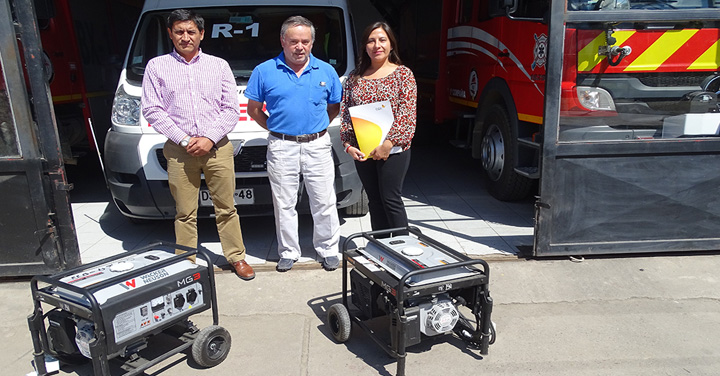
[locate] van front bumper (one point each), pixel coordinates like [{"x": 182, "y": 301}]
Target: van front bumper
[{"x": 138, "y": 197}]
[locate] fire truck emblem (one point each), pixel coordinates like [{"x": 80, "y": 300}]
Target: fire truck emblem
[
  {"x": 473, "y": 84},
  {"x": 539, "y": 51}
]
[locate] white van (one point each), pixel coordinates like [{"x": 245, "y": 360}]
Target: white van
[{"x": 245, "y": 33}]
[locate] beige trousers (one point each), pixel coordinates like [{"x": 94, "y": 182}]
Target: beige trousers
[{"x": 184, "y": 176}]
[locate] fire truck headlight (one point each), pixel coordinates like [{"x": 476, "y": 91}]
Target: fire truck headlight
[
  {"x": 126, "y": 108},
  {"x": 595, "y": 98}
]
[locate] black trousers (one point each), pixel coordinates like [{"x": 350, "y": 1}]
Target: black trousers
[{"x": 383, "y": 183}]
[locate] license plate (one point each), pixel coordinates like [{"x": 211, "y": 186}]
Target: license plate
[{"x": 243, "y": 196}]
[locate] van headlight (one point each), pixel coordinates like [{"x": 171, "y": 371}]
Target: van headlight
[
  {"x": 595, "y": 98},
  {"x": 126, "y": 108}
]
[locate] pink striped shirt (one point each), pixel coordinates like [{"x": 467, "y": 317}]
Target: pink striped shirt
[{"x": 197, "y": 98}]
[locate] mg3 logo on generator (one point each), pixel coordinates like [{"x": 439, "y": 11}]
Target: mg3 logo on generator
[{"x": 188, "y": 280}]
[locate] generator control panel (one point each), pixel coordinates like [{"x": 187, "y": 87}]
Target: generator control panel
[{"x": 156, "y": 311}]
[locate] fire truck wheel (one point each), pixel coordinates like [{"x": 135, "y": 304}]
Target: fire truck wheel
[
  {"x": 339, "y": 321},
  {"x": 499, "y": 147},
  {"x": 211, "y": 346}
]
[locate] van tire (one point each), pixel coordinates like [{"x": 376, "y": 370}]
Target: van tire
[{"x": 360, "y": 208}]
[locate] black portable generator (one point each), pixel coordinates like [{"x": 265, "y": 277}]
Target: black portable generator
[
  {"x": 108, "y": 309},
  {"x": 420, "y": 285}
]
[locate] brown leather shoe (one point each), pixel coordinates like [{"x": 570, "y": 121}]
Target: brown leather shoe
[{"x": 243, "y": 270}]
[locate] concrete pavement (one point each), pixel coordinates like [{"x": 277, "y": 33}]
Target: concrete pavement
[
  {"x": 444, "y": 195},
  {"x": 603, "y": 316},
  {"x": 625, "y": 315}
]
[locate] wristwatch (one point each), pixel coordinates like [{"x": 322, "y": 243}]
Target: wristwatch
[{"x": 185, "y": 141}]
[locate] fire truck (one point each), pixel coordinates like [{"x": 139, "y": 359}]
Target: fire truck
[
  {"x": 608, "y": 107},
  {"x": 620, "y": 81},
  {"x": 83, "y": 41}
]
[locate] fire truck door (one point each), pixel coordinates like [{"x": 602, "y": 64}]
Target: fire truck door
[
  {"x": 36, "y": 230},
  {"x": 644, "y": 176}
]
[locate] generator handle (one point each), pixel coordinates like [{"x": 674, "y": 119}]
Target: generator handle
[
  {"x": 486, "y": 325},
  {"x": 39, "y": 338},
  {"x": 344, "y": 250},
  {"x": 135, "y": 271},
  {"x": 400, "y": 351},
  {"x": 436, "y": 244},
  {"x": 89, "y": 265},
  {"x": 203, "y": 252},
  {"x": 368, "y": 235},
  {"x": 462, "y": 258},
  {"x": 401, "y": 284},
  {"x": 37, "y": 294}
]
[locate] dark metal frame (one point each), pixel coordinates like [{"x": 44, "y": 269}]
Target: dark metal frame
[
  {"x": 94, "y": 313},
  {"x": 400, "y": 291},
  {"x": 40, "y": 164},
  {"x": 575, "y": 218}
]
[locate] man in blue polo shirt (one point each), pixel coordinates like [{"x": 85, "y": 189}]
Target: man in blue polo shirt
[{"x": 301, "y": 94}]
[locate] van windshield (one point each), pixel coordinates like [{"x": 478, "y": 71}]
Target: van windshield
[{"x": 244, "y": 36}]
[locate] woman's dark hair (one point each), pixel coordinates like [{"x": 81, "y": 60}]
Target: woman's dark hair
[
  {"x": 185, "y": 15},
  {"x": 363, "y": 58}
]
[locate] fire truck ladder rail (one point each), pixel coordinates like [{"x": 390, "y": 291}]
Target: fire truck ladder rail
[{"x": 531, "y": 172}]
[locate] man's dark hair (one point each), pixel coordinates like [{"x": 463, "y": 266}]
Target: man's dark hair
[{"x": 185, "y": 15}]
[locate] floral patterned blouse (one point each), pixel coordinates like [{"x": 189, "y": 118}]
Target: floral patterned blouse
[{"x": 399, "y": 88}]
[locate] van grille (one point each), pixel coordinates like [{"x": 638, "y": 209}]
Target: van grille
[{"x": 250, "y": 159}]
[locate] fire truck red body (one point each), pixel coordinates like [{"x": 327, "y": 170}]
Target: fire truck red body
[
  {"x": 619, "y": 81},
  {"x": 82, "y": 41},
  {"x": 66, "y": 78}
]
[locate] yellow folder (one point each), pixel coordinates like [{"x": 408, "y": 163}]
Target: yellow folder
[{"x": 371, "y": 123}]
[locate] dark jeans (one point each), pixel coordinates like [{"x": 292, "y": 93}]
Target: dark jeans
[{"x": 383, "y": 182}]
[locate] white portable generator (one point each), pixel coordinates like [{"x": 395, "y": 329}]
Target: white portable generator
[
  {"x": 420, "y": 285},
  {"x": 107, "y": 310}
]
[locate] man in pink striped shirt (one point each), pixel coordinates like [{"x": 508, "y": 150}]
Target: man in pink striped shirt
[{"x": 191, "y": 98}]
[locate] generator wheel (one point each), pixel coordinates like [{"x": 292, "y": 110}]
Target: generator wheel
[
  {"x": 211, "y": 346},
  {"x": 339, "y": 321}
]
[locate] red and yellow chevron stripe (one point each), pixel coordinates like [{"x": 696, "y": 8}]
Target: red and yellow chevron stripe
[{"x": 652, "y": 51}]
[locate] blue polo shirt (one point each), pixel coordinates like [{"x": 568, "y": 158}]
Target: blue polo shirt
[{"x": 296, "y": 105}]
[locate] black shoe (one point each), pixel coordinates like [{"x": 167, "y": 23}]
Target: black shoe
[
  {"x": 331, "y": 263},
  {"x": 284, "y": 264}
]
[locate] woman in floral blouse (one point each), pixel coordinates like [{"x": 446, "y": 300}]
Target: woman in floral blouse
[{"x": 381, "y": 76}]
